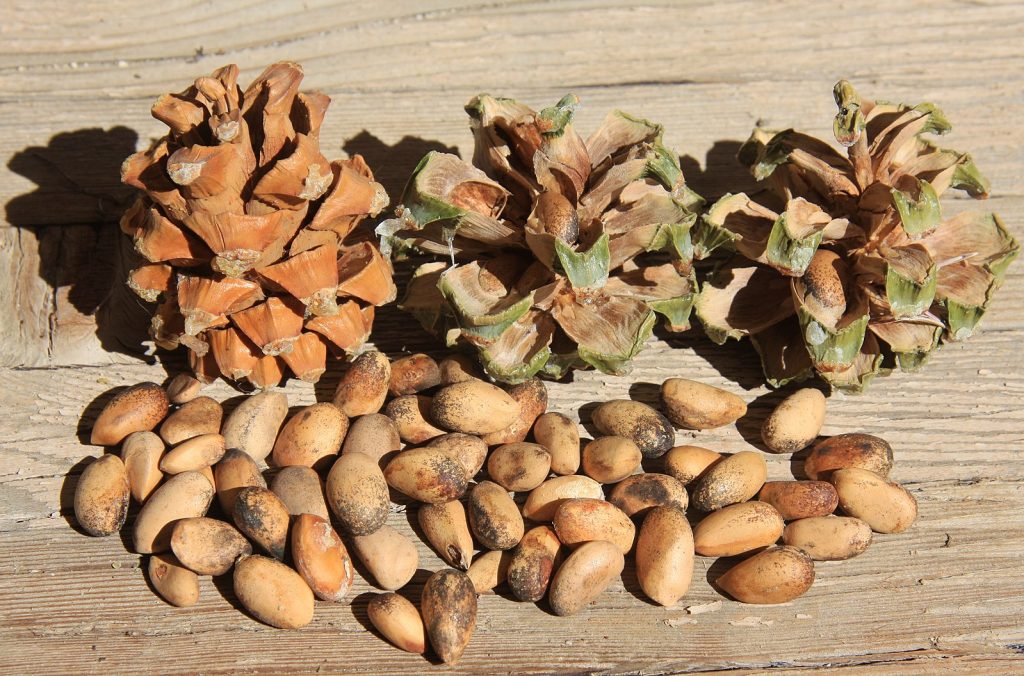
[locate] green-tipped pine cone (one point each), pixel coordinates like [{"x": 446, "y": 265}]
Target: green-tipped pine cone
[
  {"x": 844, "y": 266},
  {"x": 243, "y": 222},
  {"x": 556, "y": 252}
]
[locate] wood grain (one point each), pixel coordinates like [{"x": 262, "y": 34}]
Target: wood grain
[{"x": 75, "y": 91}]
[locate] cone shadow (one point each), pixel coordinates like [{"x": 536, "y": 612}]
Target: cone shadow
[{"x": 72, "y": 215}]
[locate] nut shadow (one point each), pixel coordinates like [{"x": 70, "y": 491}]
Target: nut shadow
[
  {"x": 736, "y": 361},
  {"x": 66, "y": 497},
  {"x": 225, "y": 586},
  {"x": 631, "y": 582},
  {"x": 722, "y": 172},
  {"x": 719, "y": 568},
  {"x": 647, "y": 393},
  {"x": 758, "y": 410},
  {"x": 393, "y": 164},
  {"x": 92, "y": 411}
]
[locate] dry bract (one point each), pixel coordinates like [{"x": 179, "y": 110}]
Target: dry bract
[
  {"x": 398, "y": 620},
  {"x": 884, "y": 505},
  {"x": 776, "y": 575},
  {"x": 357, "y": 493},
  {"x": 519, "y": 466},
  {"x": 263, "y": 518},
  {"x": 697, "y": 406},
  {"x": 734, "y": 479},
  {"x": 849, "y": 450},
  {"x": 544, "y": 500},
  {"x": 184, "y": 495},
  {"x": 493, "y": 516},
  {"x": 201, "y": 415},
  {"x": 470, "y": 451},
  {"x": 274, "y": 593},
  {"x": 689, "y": 463},
  {"x": 235, "y": 471},
  {"x": 638, "y": 422},
  {"x": 532, "y": 397},
  {"x": 473, "y": 407},
  {"x": 637, "y": 494},
  {"x": 829, "y": 538},
  {"x": 139, "y": 408},
  {"x": 581, "y": 520},
  {"x": 208, "y": 546},
  {"x": 533, "y": 562},
  {"x": 413, "y": 374},
  {"x": 141, "y": 453},
  {"x": 102, "y": 496},
  {"x": 610, "y": 459},
  {"x": 312, "y": 437},
  {"x": 561, "y": 437},
  {"x": 664, "y": 555},
  {"x": 796, "y": 422},
  {"x": 373, "y": 434},
  {"x": 489, "y": 569},
  {"x": 364, "y": 386},
  {"x": 390, "y": 557},
  {"x": 448, "y": 604},
  {"x": 178, "y": 585},
  {"x": 800, "y": 499},
  {"x": 411, "y": 413},
  {"x": 252, "y": 427},
  {"x": 183, "y": 388},
  {"x": 447, "y": 530},
  {"x": 738, "y": 529},
  {"x": 193, "y": 454},
  {"x": 320, "y": 557},
  {"x": 583, "y": 575},
  {"x": 301, "y": 491}
]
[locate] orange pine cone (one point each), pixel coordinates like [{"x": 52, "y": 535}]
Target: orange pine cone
[{"x": 243, "y": 224}]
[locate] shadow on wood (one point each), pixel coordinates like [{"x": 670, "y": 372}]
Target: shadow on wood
[
  {"x": 722, "y": 172},
  {"x": 92, "y": 412},
  {"x": 393, "y": 164},
  {"x": 73, "y": 214},
  {"x": 67, "y": 493}
]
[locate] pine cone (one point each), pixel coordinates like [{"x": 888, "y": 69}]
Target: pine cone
[
  {"x": 849, "y": 268},
  {"x": 243, "y": 223},
  {"x": 561, "y": 250}
]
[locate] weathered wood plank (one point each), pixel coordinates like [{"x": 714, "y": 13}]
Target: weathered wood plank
[{"x": 75, "y": 88}]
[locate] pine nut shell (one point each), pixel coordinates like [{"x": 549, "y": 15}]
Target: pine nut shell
[
  {"x": 398, "y": 620},
  {"x": 649, "y": 430},
  {"x": 664, "y": 555},
  {"x": 273, "y": 593},
  {"x": 139, "y": 408},
  {"x": 581, "y": 520},
  {"x": 734, "y": 479},
  {"x": 208, "y": 546},
  {"x": 584, "y": 575},
  {"x": 320, "y": 557},
  {"x": 494, "y": 518},
  {"x": 776, "y": 575},
  {"x": 561, "y": 437},
  {"x": 448, "y": 604},
  {"x": 696, "y": 406},
  {"x": 102, "y": 496},
  {"x": 738, "y": 529}
]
